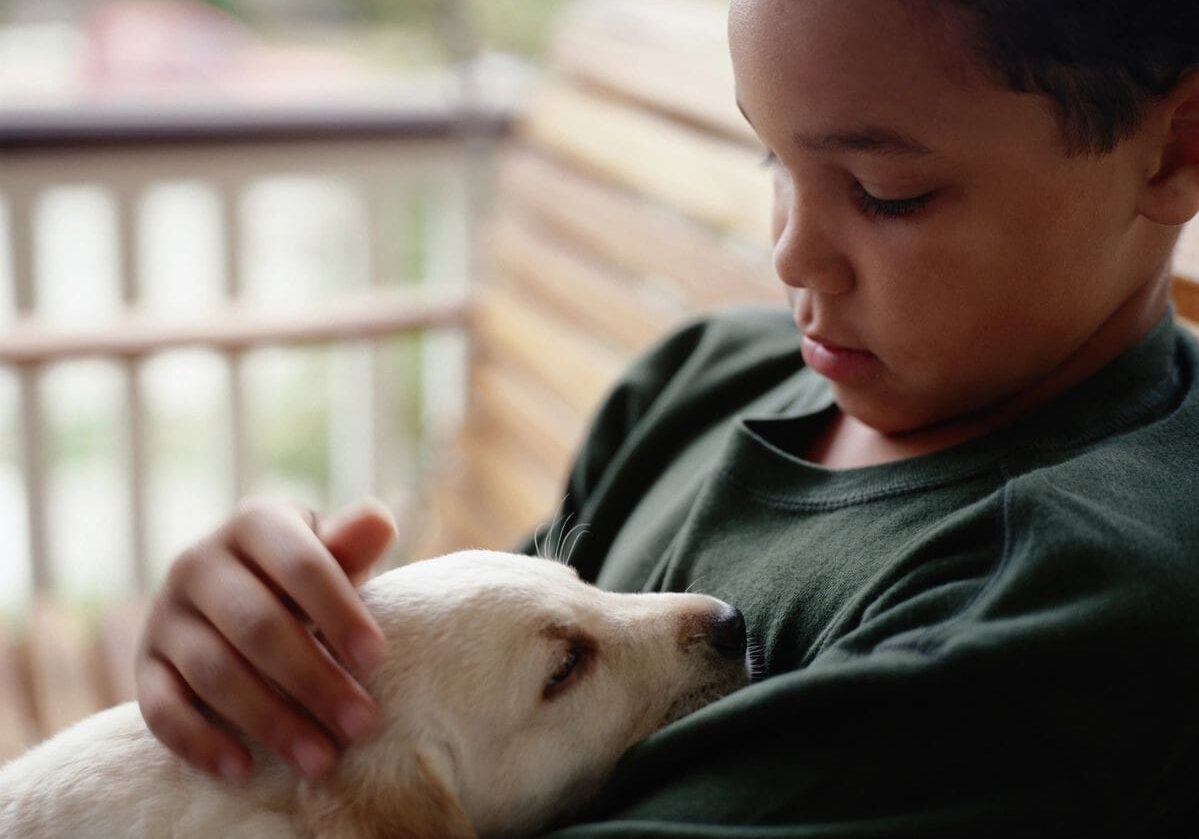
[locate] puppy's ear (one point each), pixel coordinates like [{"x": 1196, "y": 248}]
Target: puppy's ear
[
  {"x": 431, "y": 809},
  {"x": 423, "y": 807}
]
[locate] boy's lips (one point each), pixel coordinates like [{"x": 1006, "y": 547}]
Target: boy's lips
[{"x": 835, "y": 362}]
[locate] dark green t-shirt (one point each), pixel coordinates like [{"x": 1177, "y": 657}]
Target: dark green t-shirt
[{"x": 999, "y": 639}]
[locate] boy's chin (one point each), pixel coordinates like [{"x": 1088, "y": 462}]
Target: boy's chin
[
  {"x": 895, "y": 416},
  {"x": 886, "y": 416}
]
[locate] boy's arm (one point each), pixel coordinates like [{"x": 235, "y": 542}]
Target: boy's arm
[{"x": 1052, "y": 697}]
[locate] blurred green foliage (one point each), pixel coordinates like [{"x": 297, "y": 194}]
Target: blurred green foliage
[
  {"x": 226, "y": 5},
  {"x": 289, "y": 431},
  {"x": 519, "y": 26}
]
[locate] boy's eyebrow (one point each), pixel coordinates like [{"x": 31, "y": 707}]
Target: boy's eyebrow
[
  {"x": 870, "y": 139},
  {"x": 873, "y": 139}
]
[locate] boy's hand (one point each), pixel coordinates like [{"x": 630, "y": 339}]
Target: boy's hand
[{"x": 229, "y": 648}]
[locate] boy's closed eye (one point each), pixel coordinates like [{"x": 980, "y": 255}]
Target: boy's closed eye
[
  {"x": 871, "y": 205},
  {"x": 890, "y": 208}
]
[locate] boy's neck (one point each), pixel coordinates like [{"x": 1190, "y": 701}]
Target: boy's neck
[{"x": 847, "y": 443}]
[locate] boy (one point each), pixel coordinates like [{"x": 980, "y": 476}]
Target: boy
[{"x": 958, "y": 505}]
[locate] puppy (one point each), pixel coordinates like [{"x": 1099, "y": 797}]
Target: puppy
[{"x": 509, "y": 691}]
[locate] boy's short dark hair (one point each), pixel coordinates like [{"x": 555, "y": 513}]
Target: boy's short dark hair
[{"x": 1100, "y": 61}]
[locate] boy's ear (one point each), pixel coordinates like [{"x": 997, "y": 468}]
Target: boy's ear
[{"x": 1171, "y": 196}]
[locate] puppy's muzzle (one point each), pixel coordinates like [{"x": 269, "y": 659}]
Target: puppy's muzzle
[
  {"x": 719, "y": 629},
  {"x": 727, "y": 633}
]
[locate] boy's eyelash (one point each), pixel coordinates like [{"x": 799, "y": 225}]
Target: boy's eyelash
[
  {"x": 888, "y": 208},
  {"x": 869, "y": 205}
]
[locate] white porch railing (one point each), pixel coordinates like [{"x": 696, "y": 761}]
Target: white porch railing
[{"x": 382, "y": 157}]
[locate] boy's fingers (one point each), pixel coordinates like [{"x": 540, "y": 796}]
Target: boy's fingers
[
  {"x": 284, "y": 547},
  {"x": 222, "y": 682},
  {"x": 358, "y": 535},
  {"x": 248, "y": 615},
  {"x": 166, "y": 706}
]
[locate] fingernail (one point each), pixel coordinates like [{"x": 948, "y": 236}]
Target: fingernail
[
  {"x": 356, "y": 720},
  {"x": 366, "y": 651},
  {"x": 232, "y": 768},
  {"x": 312, "y": 760}
]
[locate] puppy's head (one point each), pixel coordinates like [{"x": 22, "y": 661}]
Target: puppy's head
[{"x": 513, "y": 687}]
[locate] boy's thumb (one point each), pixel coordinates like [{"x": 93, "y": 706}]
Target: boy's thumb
[{"x": 358, "y": 536}]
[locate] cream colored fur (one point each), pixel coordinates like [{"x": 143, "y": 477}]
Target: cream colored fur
[{"x": 474, "y": 742}]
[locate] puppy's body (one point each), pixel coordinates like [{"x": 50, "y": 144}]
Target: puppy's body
[
  {"x": 509, "y": 691},
  {"x": 109, "y": 777}
]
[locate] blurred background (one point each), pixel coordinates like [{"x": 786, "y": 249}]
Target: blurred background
[
  {"x": 318, "y": 250},
  {"x": 86, "y": 51},
  {"x": 132, "y": 175}
]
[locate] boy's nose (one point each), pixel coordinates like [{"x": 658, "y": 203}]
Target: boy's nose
[{"x": 804, "y": 254}]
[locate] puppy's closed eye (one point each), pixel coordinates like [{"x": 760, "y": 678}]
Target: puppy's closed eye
[{"x": 573, "y": 658}]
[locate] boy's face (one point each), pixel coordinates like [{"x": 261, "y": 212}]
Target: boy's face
[{"x": 926, "y": 216}]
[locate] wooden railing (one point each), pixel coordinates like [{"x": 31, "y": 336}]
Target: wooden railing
[{"x": 381, "y": 153}]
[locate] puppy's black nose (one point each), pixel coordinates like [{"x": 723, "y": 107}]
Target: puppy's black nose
[{"x": 728, "y": 633}]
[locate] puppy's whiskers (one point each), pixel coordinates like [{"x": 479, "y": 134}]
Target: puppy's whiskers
[
  {"x": 577, "y": 532},
  {"x": 561, "y": 538},
  {"x": 537, "y": 541},
  {"x": 755, "y": 655},
  {"x": 538, "y": 545},
  {"x": 694, "y": 584},
  {"x": 554, "y": 539}
]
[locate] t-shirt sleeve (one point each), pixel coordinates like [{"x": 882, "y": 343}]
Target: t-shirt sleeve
[{"x": 1047, "y": 692}]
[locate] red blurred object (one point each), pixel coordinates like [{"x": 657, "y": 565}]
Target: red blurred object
[
  {"x": 180, "y": 49},
  {"x": 139, "y": 47}
]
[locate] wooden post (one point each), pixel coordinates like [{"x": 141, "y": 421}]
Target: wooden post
[
  {"x": 22, "y": 230},
  {"x": 232, "y": 232},
  {"x": 136, "y": 426}
]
